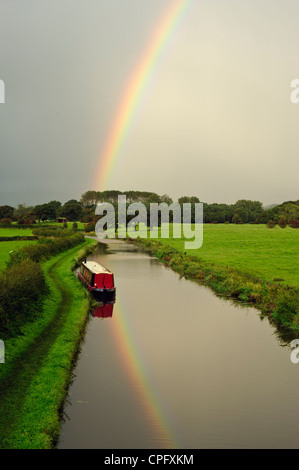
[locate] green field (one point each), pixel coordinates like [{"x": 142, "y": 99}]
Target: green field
[
  {"x": 272, "y": 254},
  {"x": 15, "y": 232},
  {"x": 6, "y": 247},
  {"x": 81, "y": 225}
]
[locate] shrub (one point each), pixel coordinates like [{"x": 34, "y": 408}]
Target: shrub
[
  {"x": 90, "y": 227},
  {"x": 22, "y": 287},
  {"x": 294, "y": 223},
  {"x": 282, "y": 222},
  {"x": 53, "y": 232},
  {"x": 5, "y": 221},
  {"x": 271, "y": 223}
]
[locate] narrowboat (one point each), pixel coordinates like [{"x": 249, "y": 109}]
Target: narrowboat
[{"x": 98, "y": 280}]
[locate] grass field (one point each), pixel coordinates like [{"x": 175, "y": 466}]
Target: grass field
[
  {"x": 14, "y": 232},
  {"x": 272, "y": 254},
  {"x": 6, "y": 247},
  {"x": 81, "y": 225}
]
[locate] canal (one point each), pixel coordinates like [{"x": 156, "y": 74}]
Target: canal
[{"x": 171, "y": 365}]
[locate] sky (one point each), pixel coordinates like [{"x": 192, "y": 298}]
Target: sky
[{"x": 216, "y": 120}]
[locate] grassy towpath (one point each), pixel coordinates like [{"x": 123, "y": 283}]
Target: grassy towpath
[{"x": 38, "y": 364}]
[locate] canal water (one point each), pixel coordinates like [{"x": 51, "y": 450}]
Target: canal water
[{"x": 171, "y": 365}]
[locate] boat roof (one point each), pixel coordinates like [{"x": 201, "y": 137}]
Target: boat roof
[{"x": 95, "y": 267}]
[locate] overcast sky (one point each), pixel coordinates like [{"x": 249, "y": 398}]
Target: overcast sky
[{"x": 218, "y": 122}]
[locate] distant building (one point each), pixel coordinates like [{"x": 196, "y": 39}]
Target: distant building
[{"x": 61, "y": 220}]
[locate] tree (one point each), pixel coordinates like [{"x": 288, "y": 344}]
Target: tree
[
  {"x": 237, "y": 219},
  {"x": 47, "y": 211},
  {"x": 188, "y": 199},
  {"x": 250, "y": 210},
  {"x": 22, "y": 211},
  {"x": 6, "y": 212},
  {"x": 72, "y": 210},
  {"x": 53, "y": 209},
  {"x": 241, "y": 214},
  {"x": 89, "y": 198},
  {"x": 167, "y": 199},
  {"x": 289, "y": 210},
  {"x": 41, "y": 212},
  {"x": 282, "y": 222}
]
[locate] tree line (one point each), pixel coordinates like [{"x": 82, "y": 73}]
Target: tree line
[{"x": 242, "y": 212}]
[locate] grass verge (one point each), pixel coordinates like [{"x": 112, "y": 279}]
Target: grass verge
[
  {"x": 7, "y": 246},
  {"x": 37, "y": 371}
]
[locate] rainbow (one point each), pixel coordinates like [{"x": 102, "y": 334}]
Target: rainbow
[
  {"x": 135, "y": 89},
  {"x": 147, "y": 394}
]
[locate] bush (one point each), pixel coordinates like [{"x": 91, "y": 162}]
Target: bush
[
  {"x": 5, "y": 221},
  {"x": 271, "y": 223},
  {"x": 53, "y": 232},
  {"x": 282, "y": 222},
  {"x": 294, "y": 223},
  {"x": 90, "y": 227},
  {"x": 22, "y": 286}
]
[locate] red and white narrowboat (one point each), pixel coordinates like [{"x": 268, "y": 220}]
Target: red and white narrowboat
[{"x": 97, "y": 279}]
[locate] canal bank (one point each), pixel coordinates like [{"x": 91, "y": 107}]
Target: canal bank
[
  {"x": 278, "y": 302},
  {"x": 39, "y": 362}
]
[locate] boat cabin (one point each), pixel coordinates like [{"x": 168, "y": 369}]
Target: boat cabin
[{"x": 96, "y": 277}]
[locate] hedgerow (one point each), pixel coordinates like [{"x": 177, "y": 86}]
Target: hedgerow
[
  {"x": 23, "y": 284},
  {"x": 45, "y": 248}
]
